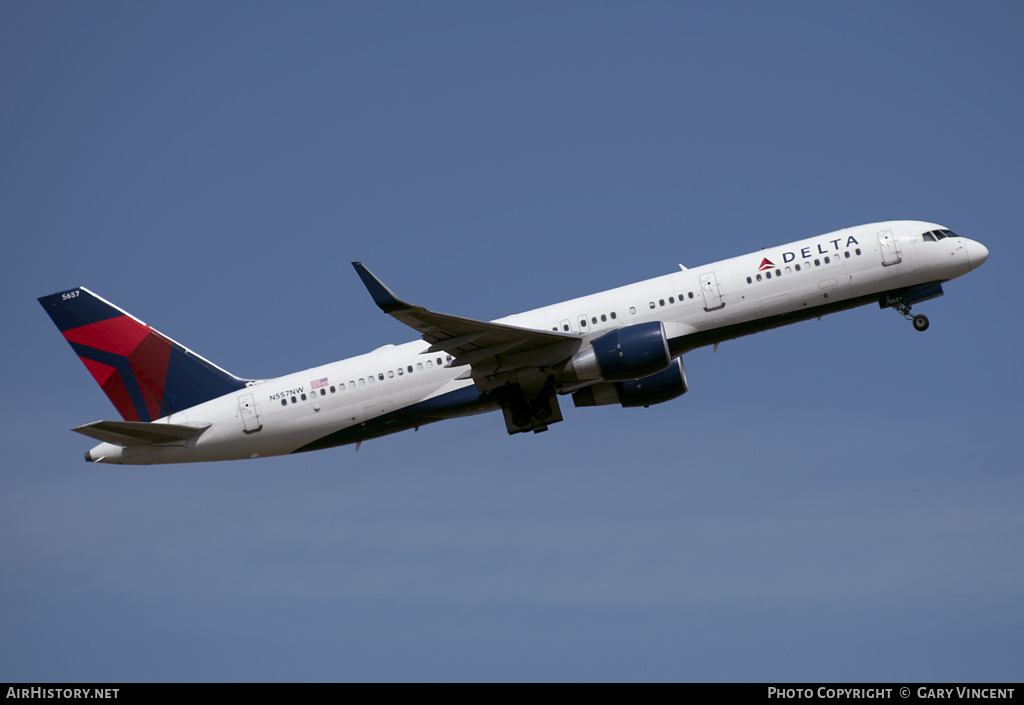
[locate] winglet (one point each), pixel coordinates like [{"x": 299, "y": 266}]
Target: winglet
[{"x": 382, "y": 296}]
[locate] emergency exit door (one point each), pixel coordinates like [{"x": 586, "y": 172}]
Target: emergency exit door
[
  {"x": 250, "y": 417},
  {"x": 712, "y": 296}
]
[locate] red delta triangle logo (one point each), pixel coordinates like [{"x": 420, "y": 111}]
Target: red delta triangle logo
[{"x": 765, "y": 264}]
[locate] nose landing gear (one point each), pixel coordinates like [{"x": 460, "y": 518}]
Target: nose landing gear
[
  {"x": 920, "y": 321},
  {"x": 903, "y": 298}
]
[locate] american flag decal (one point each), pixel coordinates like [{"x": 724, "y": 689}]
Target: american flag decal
[{"x": 318, "y": 383}]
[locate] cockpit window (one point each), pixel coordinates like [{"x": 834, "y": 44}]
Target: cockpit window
[{"x": 934, "y": 235}]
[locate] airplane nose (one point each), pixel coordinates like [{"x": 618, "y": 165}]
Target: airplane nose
[{"x": 978, "y": 254}]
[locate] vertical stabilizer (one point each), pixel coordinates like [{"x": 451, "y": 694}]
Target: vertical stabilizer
[{"x": 145, "y": 374}]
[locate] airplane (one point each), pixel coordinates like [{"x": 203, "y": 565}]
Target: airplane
[{"x": 621, "y": 346}]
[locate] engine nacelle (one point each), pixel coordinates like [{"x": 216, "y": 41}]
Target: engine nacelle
[
  {"x": 625, "y": 354},
  {"x": 653, "y": 389}
]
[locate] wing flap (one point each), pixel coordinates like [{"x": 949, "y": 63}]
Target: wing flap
[{"x": 138, "y": 433}]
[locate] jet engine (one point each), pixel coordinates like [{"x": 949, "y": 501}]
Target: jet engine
[
  {"x": 653, "y": 389},
  {"x": 625, "y": 354}
]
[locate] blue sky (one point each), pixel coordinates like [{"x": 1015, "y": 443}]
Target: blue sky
[{"x": 838, "y": 500}]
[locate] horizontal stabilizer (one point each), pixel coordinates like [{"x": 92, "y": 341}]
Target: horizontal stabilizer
[{"x": 138, "y": 433}]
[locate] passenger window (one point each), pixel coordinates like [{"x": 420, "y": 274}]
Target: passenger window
[
  {"x": 749, "y": 280},
  {"x": 847, "y": 253},
  {"x": 362, "y": 382},
  {"x": 429, "y": 364},
  {"x": 778, "y": 272},
  {"x": 293, "y": 400},
  {"x": 857, "y": 250},
  {"x": 583, "y": 323},
  {"x": 409, "y": 368},
  {"x": 768, "y": 275},
  {"x": 593, "y": 320},
  {"x": 613, "y": 315},
  {"x": 797, "y": 267},
  {"x": 817, "y": 263},
  {"x": 652, "y": 304},
  {"x": 284, "y": 402},
  {"x": 333, "y": 390},
  {"x": 565, "y": 327},
  {"x": 303, "y": 397},
  {"x": 827, "y": 260},
  {"x": 400, "y": 372},
  {"x": 603, "y": 318},
  {"x": 391, "y": 374},
  {"x": 370, "y": 379},
  {"x": 632, "y": 309},
  {"x": 323, "y": 392},
  {"x": 352, "y": 384},
  {"x": 381, "y": 376},
  {"x": 671, "y": 299},
  {"x": 759, "y": 277},
  {"x": 419, "y": 366},
  {"x": 689, "y": 294},
  {"x": 661, "y": 302},
  {"x": 789, "y": 270}
]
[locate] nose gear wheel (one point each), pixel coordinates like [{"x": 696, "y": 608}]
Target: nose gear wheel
[{"x": 920, "y": 320}]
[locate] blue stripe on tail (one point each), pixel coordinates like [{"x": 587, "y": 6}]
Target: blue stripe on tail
[{"x": 145, "y": 374}]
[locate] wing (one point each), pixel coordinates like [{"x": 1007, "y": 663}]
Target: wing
[
  {"x": 139, "y": 433},
  {"x": 488, "y": 348}
]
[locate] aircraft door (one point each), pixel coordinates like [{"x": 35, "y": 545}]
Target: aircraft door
[
  {"x": 250, "y": 416},
  {"x": 889, "y": 247},
  {"x": 709, "y": 287}
]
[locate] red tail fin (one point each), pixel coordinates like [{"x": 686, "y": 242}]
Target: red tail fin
[{"x": 145, "y": 374}]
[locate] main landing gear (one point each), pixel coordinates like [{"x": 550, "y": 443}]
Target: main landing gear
[
  {"x": 523, "y": 413},
  {"x": 920, "y": 321}
]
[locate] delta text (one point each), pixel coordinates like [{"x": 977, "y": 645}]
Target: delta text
[{"x": 806, "y": 253}]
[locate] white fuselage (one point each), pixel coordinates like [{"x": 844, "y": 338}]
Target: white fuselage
[{"x": 698, "y": 306}]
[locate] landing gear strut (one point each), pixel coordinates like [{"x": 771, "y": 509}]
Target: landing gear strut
[
  {"x": 920, "y": 321},
  {"x": 524, "y": 414}
]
